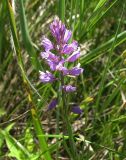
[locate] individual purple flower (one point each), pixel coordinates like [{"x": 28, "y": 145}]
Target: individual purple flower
[
  {"x": 55, "y": 65},
  {"x": 73, "y": 57},
  {"x": 46, "y": 77},
  {"x": 60, "y": 65},
  {"x": 76, "y": 110},
  {"x": 47, "y": 44},
  {"x": 51, "y": 64},
  {"x": 52, "y": 60},
  {"x": 50, "y": 56},
  {"x": 69, "y": 88},
  {"x": 69, "y": 48},
  {"x": 75, "y": 71},
  {"x": 65, "y": 71},
  {"x": 52, "y": 104}
]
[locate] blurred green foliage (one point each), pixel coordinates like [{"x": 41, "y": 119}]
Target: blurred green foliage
[{"x": 99, "y": 133}]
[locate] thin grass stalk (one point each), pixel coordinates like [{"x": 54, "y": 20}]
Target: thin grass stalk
[
  {"x": 109, "y": 60},
  {"x": 95, "y": 53},
  {"x": 2, "y": 16},
  {"x": 36, "y": 121},
  {"x": 71, "y": 12},
  {"x": 75, "y": 23},
  {"x": 61, "y": 9},
  {"x": 26, "y": 37},
  {"x": 95, "y": 18},
  {"x": 38, "y": 126},
  {"x": 82, "y": 3}
]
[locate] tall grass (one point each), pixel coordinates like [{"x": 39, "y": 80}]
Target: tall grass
[{"x": 27, "y": 129}]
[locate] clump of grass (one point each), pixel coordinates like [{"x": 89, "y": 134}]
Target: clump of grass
[{"x": 99, "y": 133}]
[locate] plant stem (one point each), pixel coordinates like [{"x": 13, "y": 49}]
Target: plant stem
[
  {"x": 66, "y": 121},
  {"x": 63, "y": 95}
]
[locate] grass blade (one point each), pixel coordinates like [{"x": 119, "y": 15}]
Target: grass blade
[
  {"x": 26, "y": 37},
  {"x": 94, "y": 54},
  {"x": 37, "y": 125},
  {"x": 61, "y": 10}
]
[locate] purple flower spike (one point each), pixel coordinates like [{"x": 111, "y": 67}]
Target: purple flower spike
[
  {"x": 47, "y": 44},
  {"x": 46, "y": 77},
  {"x": 69, "y": 88},
  {"x": 69, "y": 48},
  {"x": 76, "y": 110},
  {"x": 58, "y": 55},
  {"x": 73, "y": 57},
  {"x": 52, "y": 104}
]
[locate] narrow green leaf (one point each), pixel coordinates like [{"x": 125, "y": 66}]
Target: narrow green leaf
[
  {"x": 26, "y": 37},
  {"x": 100, "y": 4},
  {"x": 101, "y": 87},
  {"x": 94, "y": 54},
  {"x": 39, "y": 131},
  {"x": 37, "y": 124},
  {"x": 2, "y": 21},
  {"x": 16, "y": 149},
  {"x": 61, "y": 9},
  {"x": 95, "y": 18}
]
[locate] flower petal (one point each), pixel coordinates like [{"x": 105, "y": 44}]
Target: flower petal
[
  {"x": 46, "y": 77},
  {"x": 51, "y": 59},
  {"x": 69, "y": 88},
  {"x": 50, "y": 56},
  {"x": 76, "y": 110},
  {"x": 65, "y": 71},
  {"x": 52, "y": 104},
  {"x": 67, "y": 36},
  {"x": 47, "y": 44},
  {"x": 60, "y": 66},
  {"x": 51, "y": 64},
  {"x": 76, "y": 71},
  {"x": 69, "y": 48},
  {"x": 57, "y": 29},
  {"x": 73, "y": 57}
]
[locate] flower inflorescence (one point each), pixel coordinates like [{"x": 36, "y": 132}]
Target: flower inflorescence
[{"x": 65, "y": 53}]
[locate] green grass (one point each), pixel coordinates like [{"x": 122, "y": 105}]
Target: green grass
[{"x": 27, "y": 129}]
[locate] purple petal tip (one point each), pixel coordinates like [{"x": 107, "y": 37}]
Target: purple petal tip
[
  {"x": 69, "y": 88},
  {"x": 76, "y": 110},
  {"x": 52, "y": 104}
]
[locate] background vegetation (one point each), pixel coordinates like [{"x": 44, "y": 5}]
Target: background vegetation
[{"x": 27, "y": 130}]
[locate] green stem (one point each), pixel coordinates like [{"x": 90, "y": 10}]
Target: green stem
[
  {"x": 63, "y": 96},
  {"x": 57, "y": 121},
  {"x": 67, "y": 122}
]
